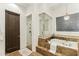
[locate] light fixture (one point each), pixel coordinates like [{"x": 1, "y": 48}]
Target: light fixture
[{"x": 66, "y": 17}]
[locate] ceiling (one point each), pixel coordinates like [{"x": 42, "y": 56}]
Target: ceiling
[
  {"x": 48, "y": 5},
  {"x": 24, "y": 5}
]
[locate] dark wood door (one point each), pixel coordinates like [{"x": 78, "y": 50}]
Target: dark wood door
[{"x": 12, "y": 31}]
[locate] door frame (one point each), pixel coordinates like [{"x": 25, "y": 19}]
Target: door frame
[{"x": 5, "y": 26}]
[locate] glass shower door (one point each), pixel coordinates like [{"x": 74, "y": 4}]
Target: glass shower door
[
  {"x": 29, "y": 32},
  {"x": 45, "y": 24}
]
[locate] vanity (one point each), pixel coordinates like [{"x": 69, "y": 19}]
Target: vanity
[{"x": 58, "y": 45}]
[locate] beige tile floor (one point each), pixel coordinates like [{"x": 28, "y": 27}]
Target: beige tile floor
[{"x": 16, "y": 53}]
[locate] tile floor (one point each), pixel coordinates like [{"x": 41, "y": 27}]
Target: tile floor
[{"x": 16, "y": 53}]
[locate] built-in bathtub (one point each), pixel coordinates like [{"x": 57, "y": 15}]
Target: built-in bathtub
[{"x": 56, "y": 42}]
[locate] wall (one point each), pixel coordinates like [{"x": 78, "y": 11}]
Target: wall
[{"x": 16, "y": 9}]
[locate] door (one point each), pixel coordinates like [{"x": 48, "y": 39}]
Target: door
[
  {"x": 12, "y": 31},
  {"x": 29, "y": 32}
]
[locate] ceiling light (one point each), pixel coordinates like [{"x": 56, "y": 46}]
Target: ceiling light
[{"x": 66, "y": 17}]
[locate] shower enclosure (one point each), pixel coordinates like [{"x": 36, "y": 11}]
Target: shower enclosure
[
  {"x": 45, "y": 24},
  {"x": 29, "y": 32}
]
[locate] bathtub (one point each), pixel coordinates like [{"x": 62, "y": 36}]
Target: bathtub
[{"x": 69, "y": 44}]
